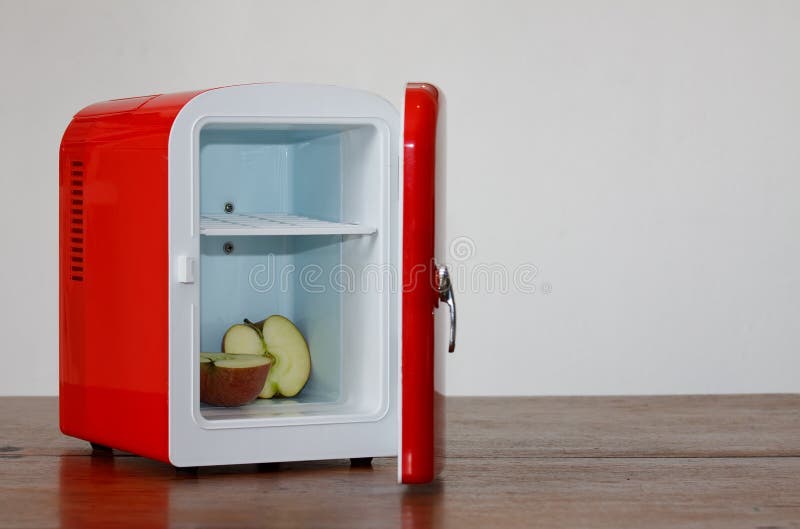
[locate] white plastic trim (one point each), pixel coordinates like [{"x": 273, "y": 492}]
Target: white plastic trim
[{"x": 369, "y": 433}]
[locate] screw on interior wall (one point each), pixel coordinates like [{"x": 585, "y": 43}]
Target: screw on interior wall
[
  {"x": 227, "y": 248},
  {"x": 228, "y": 207}
]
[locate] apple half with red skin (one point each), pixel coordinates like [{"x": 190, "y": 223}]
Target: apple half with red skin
[
  {"x": 283, "y": 343},
  {"x": 232, "y": 380}
]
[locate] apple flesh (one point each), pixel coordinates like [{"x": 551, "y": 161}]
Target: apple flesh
[
  {"x": 291, "y": 358},
  {"x": 215, "y": 356},
  {"x": 243, "y": 339},
  {"x": 232, "y": 380}
]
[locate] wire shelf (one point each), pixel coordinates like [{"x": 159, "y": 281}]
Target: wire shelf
[{"x": 229, "y": 224}]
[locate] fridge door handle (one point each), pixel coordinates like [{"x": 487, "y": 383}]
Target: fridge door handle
[{"x": 446, "y": 294}]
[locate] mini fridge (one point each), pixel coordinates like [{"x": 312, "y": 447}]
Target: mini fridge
[{"x": 183, "y": 213}]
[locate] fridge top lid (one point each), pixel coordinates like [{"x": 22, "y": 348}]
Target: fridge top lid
[{"x": 114, "y": 106}]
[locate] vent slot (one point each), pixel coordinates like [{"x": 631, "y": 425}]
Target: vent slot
[{"x": 76, "y": 257}]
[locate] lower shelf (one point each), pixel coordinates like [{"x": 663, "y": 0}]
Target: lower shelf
[{"x": 232, "y": 224}]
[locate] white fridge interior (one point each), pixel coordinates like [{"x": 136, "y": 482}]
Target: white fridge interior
[{"x": 295, "y": 220}]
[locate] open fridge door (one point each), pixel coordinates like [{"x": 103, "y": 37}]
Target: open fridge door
[{"x": 428, "y": 303}]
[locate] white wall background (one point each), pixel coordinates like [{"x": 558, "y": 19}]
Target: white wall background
[{"x": 645, "y": 156}]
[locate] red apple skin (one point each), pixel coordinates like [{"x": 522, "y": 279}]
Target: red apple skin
[{"x": 229, "y": 387}]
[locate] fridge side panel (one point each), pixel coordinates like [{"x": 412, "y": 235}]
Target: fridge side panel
[{"x": 113, "y": 293}]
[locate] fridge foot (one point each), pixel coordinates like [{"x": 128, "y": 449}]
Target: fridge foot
[
  {"x": 269, "y": 467},
  {"x": 101, "y": 449},
  {"x": 361, "y": 462}
]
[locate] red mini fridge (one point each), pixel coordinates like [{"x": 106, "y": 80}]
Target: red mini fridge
[{"x": 183, "y": 213}]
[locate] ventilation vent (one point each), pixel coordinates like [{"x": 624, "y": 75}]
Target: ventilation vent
[{"x": 77, "y": 229}]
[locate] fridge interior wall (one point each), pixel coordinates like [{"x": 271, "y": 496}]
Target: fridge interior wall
[{"x": 328, "y": 285}]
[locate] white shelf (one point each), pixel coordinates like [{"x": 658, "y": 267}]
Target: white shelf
[{"x": 231, "y": 224}]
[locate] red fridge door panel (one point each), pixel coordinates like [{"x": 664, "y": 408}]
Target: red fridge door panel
[{"x": 420, "y": 419}]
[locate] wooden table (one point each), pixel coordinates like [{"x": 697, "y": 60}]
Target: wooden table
[{"x": 645, "y": 462}]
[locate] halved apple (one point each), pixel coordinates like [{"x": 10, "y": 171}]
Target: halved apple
[
  {"x": 292, "y": 360},
  {"x": 232, "y": 380},
  {"x": 243, "y": 339},
  {"x": 276, "y": 338}
]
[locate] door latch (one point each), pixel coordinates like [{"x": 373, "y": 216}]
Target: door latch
[{"x": 446, "y": 294}]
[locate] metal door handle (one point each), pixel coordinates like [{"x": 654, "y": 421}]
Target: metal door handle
[{"x": 446, "y": 294}]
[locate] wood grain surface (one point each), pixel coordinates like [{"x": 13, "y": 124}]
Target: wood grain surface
[{"x": 711, "y": 461}]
